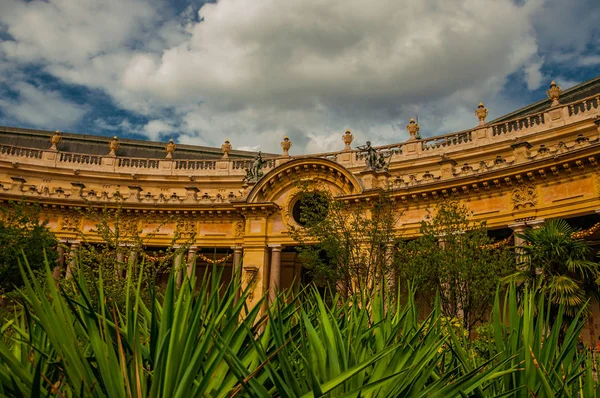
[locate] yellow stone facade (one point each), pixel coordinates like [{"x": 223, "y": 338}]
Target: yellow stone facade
[{"x": 512, "y": 174}]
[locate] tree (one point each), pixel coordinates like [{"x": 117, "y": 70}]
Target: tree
[
  {"x": 22, "y": 231},
  {"x": 348, "y": 246},
  {"x": 455, "y": 258},
  {"x": 556, "y": 264}
]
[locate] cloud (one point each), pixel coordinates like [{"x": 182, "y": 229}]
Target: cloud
[
  {"x": 254, "y": 71},
  {"x": 37, "y": 107}
]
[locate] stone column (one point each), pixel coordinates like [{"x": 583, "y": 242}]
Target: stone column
[
  {"x": 177, "y": 265},
  {"x": 60, "y": 261},
  {"x": 191, "y": 260},
  {"x": 274, "y": 272},
  {"x": 518, "y": 228},
  {"x": 120, "y": 266},
  {"x": 74, "y": 248},
  {"x": 237, "y": 269},
  {"x": 133, "y": 257}
]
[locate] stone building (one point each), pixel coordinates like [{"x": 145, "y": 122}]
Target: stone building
[{"x": 537, "y": 163}]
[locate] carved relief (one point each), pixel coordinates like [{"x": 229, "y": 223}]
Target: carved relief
[
  {"x": 239, "y": 229},
  {"x": 186, "y": 226},
  {"x": 250, "y": 276},
  {"x": 70, "y": 221},
  {"x": 524, "y": 196},
  {"x": 129, "y": 225}
]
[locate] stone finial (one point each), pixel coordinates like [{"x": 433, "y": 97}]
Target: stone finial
[
  {"x": 54, "y": 140},
  {"x": 554, "y": 93},
  {"x": 170, "y": 148},
  {"x": 226, "y": 147},
  {"x": 413, "y": 129},
  {"x": 113, "y": 145},
  {"x": 481, "y": 112},
  {"x": 286, "y": 144},
  {"x": 348, "y": 138}
]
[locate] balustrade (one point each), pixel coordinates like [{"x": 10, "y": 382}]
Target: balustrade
[{"x": 20, "y": 152}]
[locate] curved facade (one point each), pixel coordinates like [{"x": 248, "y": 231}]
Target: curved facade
[{"x": 539, "y": 162}]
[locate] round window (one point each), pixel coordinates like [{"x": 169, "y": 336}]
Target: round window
[{"x": 310, "y": 208}]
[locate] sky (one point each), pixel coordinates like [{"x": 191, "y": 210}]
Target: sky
[{"x": 254, "y": 71}]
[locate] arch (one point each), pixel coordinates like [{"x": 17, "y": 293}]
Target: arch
[{"x": 285, "y": 175}]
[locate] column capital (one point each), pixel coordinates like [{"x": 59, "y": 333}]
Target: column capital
[
  {"x": 535, "y": 224},
  {"x": 276, "y": 248},
  {"x": 237, "y": 248},
  {"x": 518, "y": 226},
  {"x": 192, "y": 249}
]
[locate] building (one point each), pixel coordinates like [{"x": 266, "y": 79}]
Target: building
[{"x": 537, "y": 163}]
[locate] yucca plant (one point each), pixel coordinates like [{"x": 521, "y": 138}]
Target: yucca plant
[{"x": 198, "y": 341}]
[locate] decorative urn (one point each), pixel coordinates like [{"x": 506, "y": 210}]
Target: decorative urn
[
  {"x": 113, "y": 145},
  {"x": 348, "y": 138},
  {"x": 226, "y": 147},
  {"x": 413, "y": 129},
  {"x": 170, "y": 148},
  {"x": 554, "y": 93},
  {"x": 54, "y": 140},
  {"x": 286, "y": 144},
  {"x": 481, "y": 112}
]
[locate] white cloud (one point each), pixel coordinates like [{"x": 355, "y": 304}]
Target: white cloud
[
  {"x": 254, "y": 71},
  {"x": 41, "y": 108}
]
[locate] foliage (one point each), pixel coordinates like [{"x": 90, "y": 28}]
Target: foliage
[
  {"x": 117, "y": 244},
  {"x": 556, "y": 265},
  {"x": 22, "y": 230},
  {"x": 347, "y": 246},
  {"x": 202, "y": 343},
  {"x": 454, "y": 257}
]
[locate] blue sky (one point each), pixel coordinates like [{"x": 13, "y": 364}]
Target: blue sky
[{"x": 254, "y": 71}]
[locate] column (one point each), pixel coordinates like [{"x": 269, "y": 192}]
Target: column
[
  {"x": 177, "y": 265},
  {"x": 60, "y": 261},
  {"x": 120, "y": 265},
  {"x": 191, "y": 260},
  {"x": 133, "y": 258},
  {"x": 518, "y": 228},
  {"x": 237, "y": 269},
  {"x": 275, "y": 272},
  {"x": 74, "y": 248}
]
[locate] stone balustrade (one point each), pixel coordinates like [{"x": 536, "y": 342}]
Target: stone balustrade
[{"x": 520, "y": 128}]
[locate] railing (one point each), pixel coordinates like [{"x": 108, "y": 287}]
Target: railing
[
  {"x": 138, "y": 163},
  {"x": 448, "y": 140},
  {"x": 518, "y": 124},
  {"x": 21, "y": 152},
  {"x": 79, "y": 159},
  {"x": 519, "y": 127},
  {"x": 195, "y": 164},
  {"x": 585, "y": 105}
]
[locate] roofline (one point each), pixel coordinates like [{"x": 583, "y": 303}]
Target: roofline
[
  {"x": 523, "y": 110},
  {"x": 127, "y": 141}
]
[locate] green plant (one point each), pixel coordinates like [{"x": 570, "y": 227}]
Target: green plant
[
  {"x": 22, "y": 230},
  {"x": 204, "y": 343},
  {"x": 454, "y": 258},
  {"x": 556, "y": 265}
]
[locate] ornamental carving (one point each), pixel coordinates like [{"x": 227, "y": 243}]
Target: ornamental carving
[
  {"x": 239, "y": 229},
  {"x": 250, "y": 276},
  {"x": 186, "y": 226},
  {"x": 129, "y": 225},
  {"x": 70, "y": 222},
  {"x": 524, "y": 196}
]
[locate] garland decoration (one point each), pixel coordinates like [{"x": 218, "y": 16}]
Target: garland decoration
[{"x": 219, "y": 261}]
